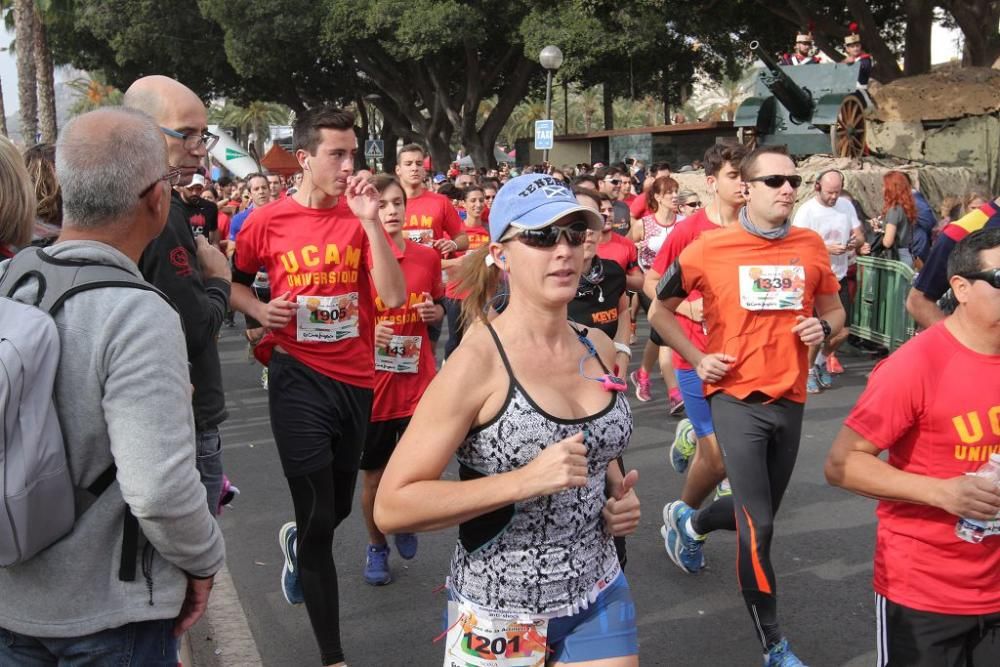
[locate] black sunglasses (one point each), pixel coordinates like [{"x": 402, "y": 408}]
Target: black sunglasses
[
  {"x": 693, "y": 204},
  {"x": 547, "y": 237},
  {"x": 777, "y": 180},
  {"x": 991, "y": 276}
]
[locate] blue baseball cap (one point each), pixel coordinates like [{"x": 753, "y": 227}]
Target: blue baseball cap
[
  {"x": 440, "y": 178},
  {"x": 533, "y": 201}
]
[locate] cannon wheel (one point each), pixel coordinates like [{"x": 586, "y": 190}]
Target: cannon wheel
[
  {"x": 847, "y": 134},
  {"x": 748, "y": 137}
]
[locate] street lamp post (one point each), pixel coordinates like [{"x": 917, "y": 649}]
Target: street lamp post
[{"x": 551, "y": 59}]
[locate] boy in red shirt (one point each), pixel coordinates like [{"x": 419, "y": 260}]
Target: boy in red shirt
[
  {"x": 431, "y": 218},
  {"x": 324, "y": 251},
  {"x": 937, "y": 596},
  {"x": 404, "y": 366}
]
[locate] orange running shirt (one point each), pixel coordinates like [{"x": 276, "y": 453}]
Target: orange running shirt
[
  {"x": 320, "y": 256},
  {"x": 400, "y": 385},
  {"x": 429, "y": 217},
  {"x": 753, "y": 290}
]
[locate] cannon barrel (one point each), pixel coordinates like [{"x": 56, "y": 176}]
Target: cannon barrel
[{"x": 798, "y": 101}]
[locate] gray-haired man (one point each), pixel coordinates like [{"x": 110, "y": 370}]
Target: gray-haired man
[{"x": 123, "y": 397}]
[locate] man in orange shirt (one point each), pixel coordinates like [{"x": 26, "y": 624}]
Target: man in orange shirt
[{"x": 761, "y": 281}]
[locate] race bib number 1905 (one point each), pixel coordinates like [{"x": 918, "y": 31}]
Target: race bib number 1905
[
  {"x": 770, "y": 287},
  {"x": 327, "y": 319},
  {"x": 475, "y": 640}
]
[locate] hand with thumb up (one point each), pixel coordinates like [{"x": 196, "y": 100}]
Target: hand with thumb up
[{"x": 621, "y": 511}]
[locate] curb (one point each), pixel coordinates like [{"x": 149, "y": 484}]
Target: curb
[{"x": 222, "y": 637}]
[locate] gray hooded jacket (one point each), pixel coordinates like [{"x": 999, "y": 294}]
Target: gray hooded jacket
[{"x": 123, "y": 395}]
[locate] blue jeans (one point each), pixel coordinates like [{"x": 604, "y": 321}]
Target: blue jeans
[
  {"x": 145, "y": 644},
  {"x": 209, "y": 463}
]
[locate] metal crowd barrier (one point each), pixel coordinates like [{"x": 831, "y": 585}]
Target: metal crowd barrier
[{"x": 879, "y": 310}]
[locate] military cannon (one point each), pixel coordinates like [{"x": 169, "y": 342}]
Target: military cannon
[{"x": 810, "y": 108}]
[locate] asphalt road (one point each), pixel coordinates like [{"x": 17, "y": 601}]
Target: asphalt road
[{"x": 822, "y": 554}]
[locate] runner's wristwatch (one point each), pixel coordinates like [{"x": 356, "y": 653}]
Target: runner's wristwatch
[{"x": 827, "y": 329}]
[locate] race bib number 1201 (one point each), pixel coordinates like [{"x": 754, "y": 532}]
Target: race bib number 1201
[
  {"x": 770, "y": 287},
  {"x": 327, "y": 319},
  {"x": 475, "y": 640}
]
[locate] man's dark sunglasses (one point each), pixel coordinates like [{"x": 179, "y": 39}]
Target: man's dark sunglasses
[
  {"x": 777, "y": 180},
  {"x": 991, "y": 276},
  {"x": 613, "y": 181},
  {"x": 547, "y": 237}
]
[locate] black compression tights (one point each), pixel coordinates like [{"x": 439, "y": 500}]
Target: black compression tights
[
  {"x": 759, "y": 443},
  {"x": 322, "y": 500}
]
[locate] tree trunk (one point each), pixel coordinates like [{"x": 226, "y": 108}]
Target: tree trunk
[
  {"x": 482, "y": 155},
  {"x": 440, "y": 153},
  {"x": 609, "y": 111},
  {"x": 45, "y": 70},
  {"x": 3, "y": 115},
  {"x": 917, "y": 52},
  {"x": 389, "y": 141},
  {"x": 978, "y": 21},
  {"x": 24, "y": 30}
]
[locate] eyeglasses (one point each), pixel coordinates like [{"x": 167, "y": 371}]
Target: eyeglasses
[
  {"x": 991, "y": 276},
  {"x": 173, "y": 177},
  {"x": 777, "y": 180},
  {"x": 547, "y": 237},
  {"x": 193, "y": 140},
  {"x": 613, "y": 181},
  {"x": 693, "y": 204},
  {"x": 489, "y": 197}
]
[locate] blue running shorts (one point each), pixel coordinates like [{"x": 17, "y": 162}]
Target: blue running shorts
[{"x": 606, "y": 629}]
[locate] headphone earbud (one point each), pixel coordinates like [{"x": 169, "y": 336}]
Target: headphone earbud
[{"x": 306, "y": 167}]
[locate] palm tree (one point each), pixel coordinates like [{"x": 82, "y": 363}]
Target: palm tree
[
  {"x": 522, "y": 120},
  {"x": 24, "y": 31},
  {"x": 725, "y": 97},
  {"x": 590, "y": 103},
  {"x": 45, "y": 71},
  {"x": 256, "y": 118},
  {"x": 93, "y": 93},
  {"x": 3, "y": 111}
]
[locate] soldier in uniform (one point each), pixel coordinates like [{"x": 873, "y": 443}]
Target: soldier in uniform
[
  {"x": 856, "y": 54},
  {"x": 802, "y": 55}
]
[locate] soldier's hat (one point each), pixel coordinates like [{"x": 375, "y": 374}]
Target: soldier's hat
[
  {"x": 804, "y": 36},
  {"x": 853, "y": 37}
]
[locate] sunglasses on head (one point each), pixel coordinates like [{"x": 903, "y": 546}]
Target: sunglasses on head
[
  {"x": 777, "y": 180},
  {"x": 547, "y": 237},
  {"x": 991, "y": 276}
]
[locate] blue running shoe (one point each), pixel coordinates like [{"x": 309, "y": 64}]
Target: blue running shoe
[
  {"x": 406, "y": 545},
  {"x": 812, "y": 384},
  {"x": 290, "y": 584},
  {"x": 683, "y": 549},
  {"x": 780, "y": 655},
  {"x": 823, "y": 377},
  {"x": 377, "y": 565},
  {"x": 683, "y": 446}
]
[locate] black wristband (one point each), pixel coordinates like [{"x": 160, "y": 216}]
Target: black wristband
[{"x": 827, "y": 329}]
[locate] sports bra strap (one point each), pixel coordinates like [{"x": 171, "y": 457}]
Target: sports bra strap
[{"x": 503, "y": 355}]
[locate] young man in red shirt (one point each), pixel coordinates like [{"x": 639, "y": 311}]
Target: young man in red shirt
[
  {"x": 761, "y": 281},
  {"x": 937, "y": 596},
  {"x": 722, "y": 174},
  {"x": 431, "y": 218},
  {"x": 404, "y": 366},
  {"x": 324, "y": 251}
]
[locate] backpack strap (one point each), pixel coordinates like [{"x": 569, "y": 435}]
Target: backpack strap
[{"x": 58, "y": 280}]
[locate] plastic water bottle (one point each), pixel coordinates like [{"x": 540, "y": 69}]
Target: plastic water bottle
[{"x": 974, "y": 530}]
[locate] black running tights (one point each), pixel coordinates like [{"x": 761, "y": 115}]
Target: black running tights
[
  {"x": 759, "y": 443},
  {"x": 322, "y": 499}
]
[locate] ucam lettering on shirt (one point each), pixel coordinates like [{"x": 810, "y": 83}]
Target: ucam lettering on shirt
[
  {"x": 420, "y": 222},
  {"x": 331, "y": 265},
  {"x": 971, "y": 429},
  {"x": 406, "y": 314}
]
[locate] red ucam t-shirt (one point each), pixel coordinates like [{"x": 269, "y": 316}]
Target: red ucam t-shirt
[
  {"x": 621, "y": 251},
  {"x": 429, "y": 217},
  {"x": 921, "y": 406},
  {"x": 685, "y": 231},
  {"x": 403, "y": 371},
  {"x": 322, "y": 257},
  {"x": 478, "y": 237}
]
